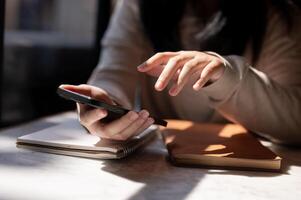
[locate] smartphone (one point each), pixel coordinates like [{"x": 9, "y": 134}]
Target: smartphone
[{"x": 114, "y": 112}]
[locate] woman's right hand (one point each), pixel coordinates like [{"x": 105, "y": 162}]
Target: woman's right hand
[{"x": 124, "y": 128}]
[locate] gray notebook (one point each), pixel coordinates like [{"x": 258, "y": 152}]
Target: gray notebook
[{"x": 70, "y": 138}]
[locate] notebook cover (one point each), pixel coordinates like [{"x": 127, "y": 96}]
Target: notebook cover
[{"x": 217, "y": 145}]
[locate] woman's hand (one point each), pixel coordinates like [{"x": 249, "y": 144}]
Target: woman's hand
[
  {"x": 121, "y": 129},
  {"x": 179, "y": 68}
]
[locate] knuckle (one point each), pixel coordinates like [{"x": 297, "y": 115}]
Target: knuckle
[
  {"x": 159, "y": 55},
  {"x": 188, "y": 66},
  {"x": 130, "y": 116},
  {"x": 139, "y": 122},
  {"x": 199, "y": 58},
  {"x": 175, "y": 60},
  {"x": 216, "y": 62}
]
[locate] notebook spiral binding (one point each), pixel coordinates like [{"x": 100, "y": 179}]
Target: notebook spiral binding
[{"x": 129, "y": 150}]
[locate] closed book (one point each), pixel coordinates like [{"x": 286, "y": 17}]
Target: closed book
[{"x": 217, "y": 145}]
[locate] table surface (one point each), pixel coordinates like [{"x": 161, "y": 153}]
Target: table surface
[{"x": 26, "y": 174}]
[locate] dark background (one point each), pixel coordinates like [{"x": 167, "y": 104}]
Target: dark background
[{"x": 46, "y": 43}]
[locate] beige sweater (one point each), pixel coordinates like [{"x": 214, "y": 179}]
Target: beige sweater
[{"x": 265, "y": 98}]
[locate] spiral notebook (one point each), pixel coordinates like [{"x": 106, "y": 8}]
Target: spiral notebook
[
  {"x": 70, "y": 138},
  {"x": 217, "y": 145}
]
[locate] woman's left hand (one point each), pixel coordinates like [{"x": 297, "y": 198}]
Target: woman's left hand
[{"x": 179, "y": 68}]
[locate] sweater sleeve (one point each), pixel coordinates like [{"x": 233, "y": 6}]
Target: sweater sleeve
[
  {"x": 265, "y": 99},
  {"x": 124, "y": 47}
]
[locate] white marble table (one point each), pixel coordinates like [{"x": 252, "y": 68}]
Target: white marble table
[{"x": 26, "y": 174}]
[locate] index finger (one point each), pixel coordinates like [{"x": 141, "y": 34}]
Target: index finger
[{"x": 157, "y": 59}]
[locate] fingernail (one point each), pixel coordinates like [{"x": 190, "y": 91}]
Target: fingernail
[
  {"x": 142, "y": 66},
  {"x": 159, "y": 85},
  {"x": 150, "y": 120},
  {"x": 197, "y": 87},
  {"x": 173, "y": 91},
  {"x": 144, "y": 114},
  {"x": 133, "y": 115}
]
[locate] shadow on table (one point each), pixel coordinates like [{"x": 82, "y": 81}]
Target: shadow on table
[
  {"x": 291, "y": 156},
  {"x": 21, "y": 159},
  {"x": 161, "y": 180},
  {"x": 12, "y": 156},
  {"x": 165, "y": 181},
  {"x": 26, "y": 129}
]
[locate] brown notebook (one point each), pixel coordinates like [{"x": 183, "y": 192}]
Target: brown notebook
[{"x": 216, "y": 145}]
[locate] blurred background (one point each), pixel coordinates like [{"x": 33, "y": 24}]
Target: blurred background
[{"x": 46, "y": 43}]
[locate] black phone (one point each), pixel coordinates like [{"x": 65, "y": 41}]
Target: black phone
[{"x": 114, "y": 112}]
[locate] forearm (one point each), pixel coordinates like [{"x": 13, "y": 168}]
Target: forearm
[
  {"x": 251, "y": 98},
  {"x": 124, "y": 47},
  {"x": 117, "y": 74}
]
